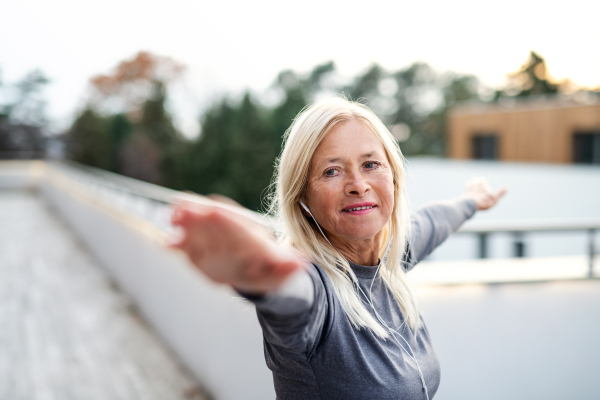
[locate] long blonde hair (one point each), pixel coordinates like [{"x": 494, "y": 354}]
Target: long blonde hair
[{"x": 300, "y": 142}]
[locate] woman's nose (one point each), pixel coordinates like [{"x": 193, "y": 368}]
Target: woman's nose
[{"x": 357, "y": 185}]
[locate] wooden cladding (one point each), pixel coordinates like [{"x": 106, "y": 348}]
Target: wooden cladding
[{"x": 526, "y": 132}]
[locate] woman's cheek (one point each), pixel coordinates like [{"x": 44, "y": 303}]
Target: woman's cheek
[{"x": 325, "y": 199}]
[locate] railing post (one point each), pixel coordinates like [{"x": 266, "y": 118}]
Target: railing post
[
  {"x": 592, "y": 252},
  {"x": 483, "y": 244},
  {"x": 519, "y": 245}
]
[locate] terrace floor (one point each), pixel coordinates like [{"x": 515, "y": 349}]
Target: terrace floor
[{"x": 66, "y": 331}]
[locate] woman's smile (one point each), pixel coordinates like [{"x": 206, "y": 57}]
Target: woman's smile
[{"x": 359, "y": 209}]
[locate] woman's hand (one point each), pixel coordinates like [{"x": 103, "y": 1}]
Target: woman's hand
[
  {"x": 478, "y": 188},
  {"x": 231, "y": 249}
]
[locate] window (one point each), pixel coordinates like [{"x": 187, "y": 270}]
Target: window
[
  {"x": 586, "y": 147},
  {"x": 484, "y": 147}
]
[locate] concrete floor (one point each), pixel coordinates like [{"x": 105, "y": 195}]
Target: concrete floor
[
  {"x": 66, "y": 332},
  {"x": 516, "y": 341}
]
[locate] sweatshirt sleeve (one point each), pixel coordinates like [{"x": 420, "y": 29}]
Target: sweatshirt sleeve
[
  {"x": 293, "y": 317},
  {"x": 434, "y": 222}
]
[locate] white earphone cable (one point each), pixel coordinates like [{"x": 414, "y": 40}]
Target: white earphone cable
[{"x": 369, "y": 300}]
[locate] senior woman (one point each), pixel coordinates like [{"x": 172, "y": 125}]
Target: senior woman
[{"x": 339, "y": 319}]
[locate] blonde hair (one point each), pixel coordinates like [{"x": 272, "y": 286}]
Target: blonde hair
[{"x": 301, "y": 140}]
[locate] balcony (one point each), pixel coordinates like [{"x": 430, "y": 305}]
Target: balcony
[{"x": 95, "y": 306}]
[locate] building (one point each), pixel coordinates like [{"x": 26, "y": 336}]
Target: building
[{"x": 556, "y": 129}]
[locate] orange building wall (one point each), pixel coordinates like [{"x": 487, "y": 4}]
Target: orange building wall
[{"x": 524, "y": 134}]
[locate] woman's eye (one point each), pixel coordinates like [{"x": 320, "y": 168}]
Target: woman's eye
[
  {"x": 371, "y": 164},
  {"x": 330, "y": 172}
]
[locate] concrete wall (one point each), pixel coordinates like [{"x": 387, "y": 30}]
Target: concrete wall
[
  {"x": 20, "y": 174},
  {"x": 216, "y": 335}
]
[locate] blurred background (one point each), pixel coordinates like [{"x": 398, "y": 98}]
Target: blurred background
[{"x": 110, "y": 112}]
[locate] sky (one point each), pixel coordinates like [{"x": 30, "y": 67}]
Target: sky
[{"x": 229, "y": 46}]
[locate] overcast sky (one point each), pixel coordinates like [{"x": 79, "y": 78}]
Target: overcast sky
[{"x": 231, "y": 45}]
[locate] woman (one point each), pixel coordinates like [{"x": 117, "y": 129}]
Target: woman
[{"x": 339, "y": 319}]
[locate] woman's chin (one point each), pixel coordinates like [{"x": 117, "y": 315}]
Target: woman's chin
[{"x": 360, "y": 234}]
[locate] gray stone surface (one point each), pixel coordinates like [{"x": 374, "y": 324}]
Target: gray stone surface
[{"x": 66, "y": 332}]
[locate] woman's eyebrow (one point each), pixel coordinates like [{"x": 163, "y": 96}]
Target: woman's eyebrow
[{"x": 364, "y": 155}]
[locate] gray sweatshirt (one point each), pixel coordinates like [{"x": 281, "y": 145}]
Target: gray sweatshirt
[{"x": 314, "y": 351}]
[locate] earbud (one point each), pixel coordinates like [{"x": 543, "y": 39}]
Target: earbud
[{"x": 305, "y": 207}]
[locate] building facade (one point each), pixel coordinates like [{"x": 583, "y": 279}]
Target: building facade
[{"x": 553, "y": 130}]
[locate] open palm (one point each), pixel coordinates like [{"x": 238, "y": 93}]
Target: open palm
[{"x": 478, "y": 188}]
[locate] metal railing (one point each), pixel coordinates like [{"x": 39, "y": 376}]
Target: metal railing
[
  {"x": 146, "y": 200},
  {"x": 518, "y": 228}
]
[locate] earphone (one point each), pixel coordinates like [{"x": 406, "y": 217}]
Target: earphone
[
  {"x": 369, "y": 299},
  {"x": 306, "y": 208}
]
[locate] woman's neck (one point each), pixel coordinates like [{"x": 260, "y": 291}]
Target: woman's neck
[{"x": 362, "y": 252}]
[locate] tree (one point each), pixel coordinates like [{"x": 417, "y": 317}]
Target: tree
[
  {"x": 134, "y": 134},
  {"x": 366, "y": 86},
  {"x": 531, "y": 79},
  {"x": 89, "y": 140},
  {"x": 132, "y": 82},
  {"x": 413, "y": 102},
  {"x": 23, "y": 120},
  {"x": 235, "y": 153}
]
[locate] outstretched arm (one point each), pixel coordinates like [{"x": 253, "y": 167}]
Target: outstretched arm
[
  {"x": 231, "y": 249},
  {"x": 286, "y": 288},
  {"x": 435, "y": 221}
]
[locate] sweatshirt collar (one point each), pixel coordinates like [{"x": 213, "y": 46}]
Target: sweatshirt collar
[{"x": 362, "y": 271}]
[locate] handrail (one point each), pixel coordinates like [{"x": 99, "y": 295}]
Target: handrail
[
  {"x": 530, "y": 225},
  {"x": 148, "y": 191},
  {"x": 518, "y": 228}
]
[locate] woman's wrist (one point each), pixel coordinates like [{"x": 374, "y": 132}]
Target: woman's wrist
[{"x": 469, "y": 198}]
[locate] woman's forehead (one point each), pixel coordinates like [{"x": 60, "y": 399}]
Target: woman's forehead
[{"x": 348, "y": 140}]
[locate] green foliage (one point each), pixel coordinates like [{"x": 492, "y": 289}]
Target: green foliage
[
  {"x": 23, "y": 118},
  {"x": 151, "y": 152},
  {"x": 156, "y": 122},
  {"x": 149, "y": 148},
  {"x": 235, "y": 153},
  {"x": 120, "y": 129},
  {"x": 415, "y": 98},
  {"x": 89, "y": 140},
  {"x": 365, "y": 86}
]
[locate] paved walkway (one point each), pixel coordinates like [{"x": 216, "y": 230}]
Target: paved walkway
[{"x": 65, "y": 331}]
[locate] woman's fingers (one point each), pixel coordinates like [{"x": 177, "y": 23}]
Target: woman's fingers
[
  {"x": 198, "y": 230},
  {"x": 479, "y": 189},
  {"x": 501, "y": 192},
  {"x": 231, "y": 249}
]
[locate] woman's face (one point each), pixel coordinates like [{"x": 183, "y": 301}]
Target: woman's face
[{"x": 350, "y": 187}]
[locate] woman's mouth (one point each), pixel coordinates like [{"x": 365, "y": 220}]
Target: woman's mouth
[{"x": 358, "y": 209}]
